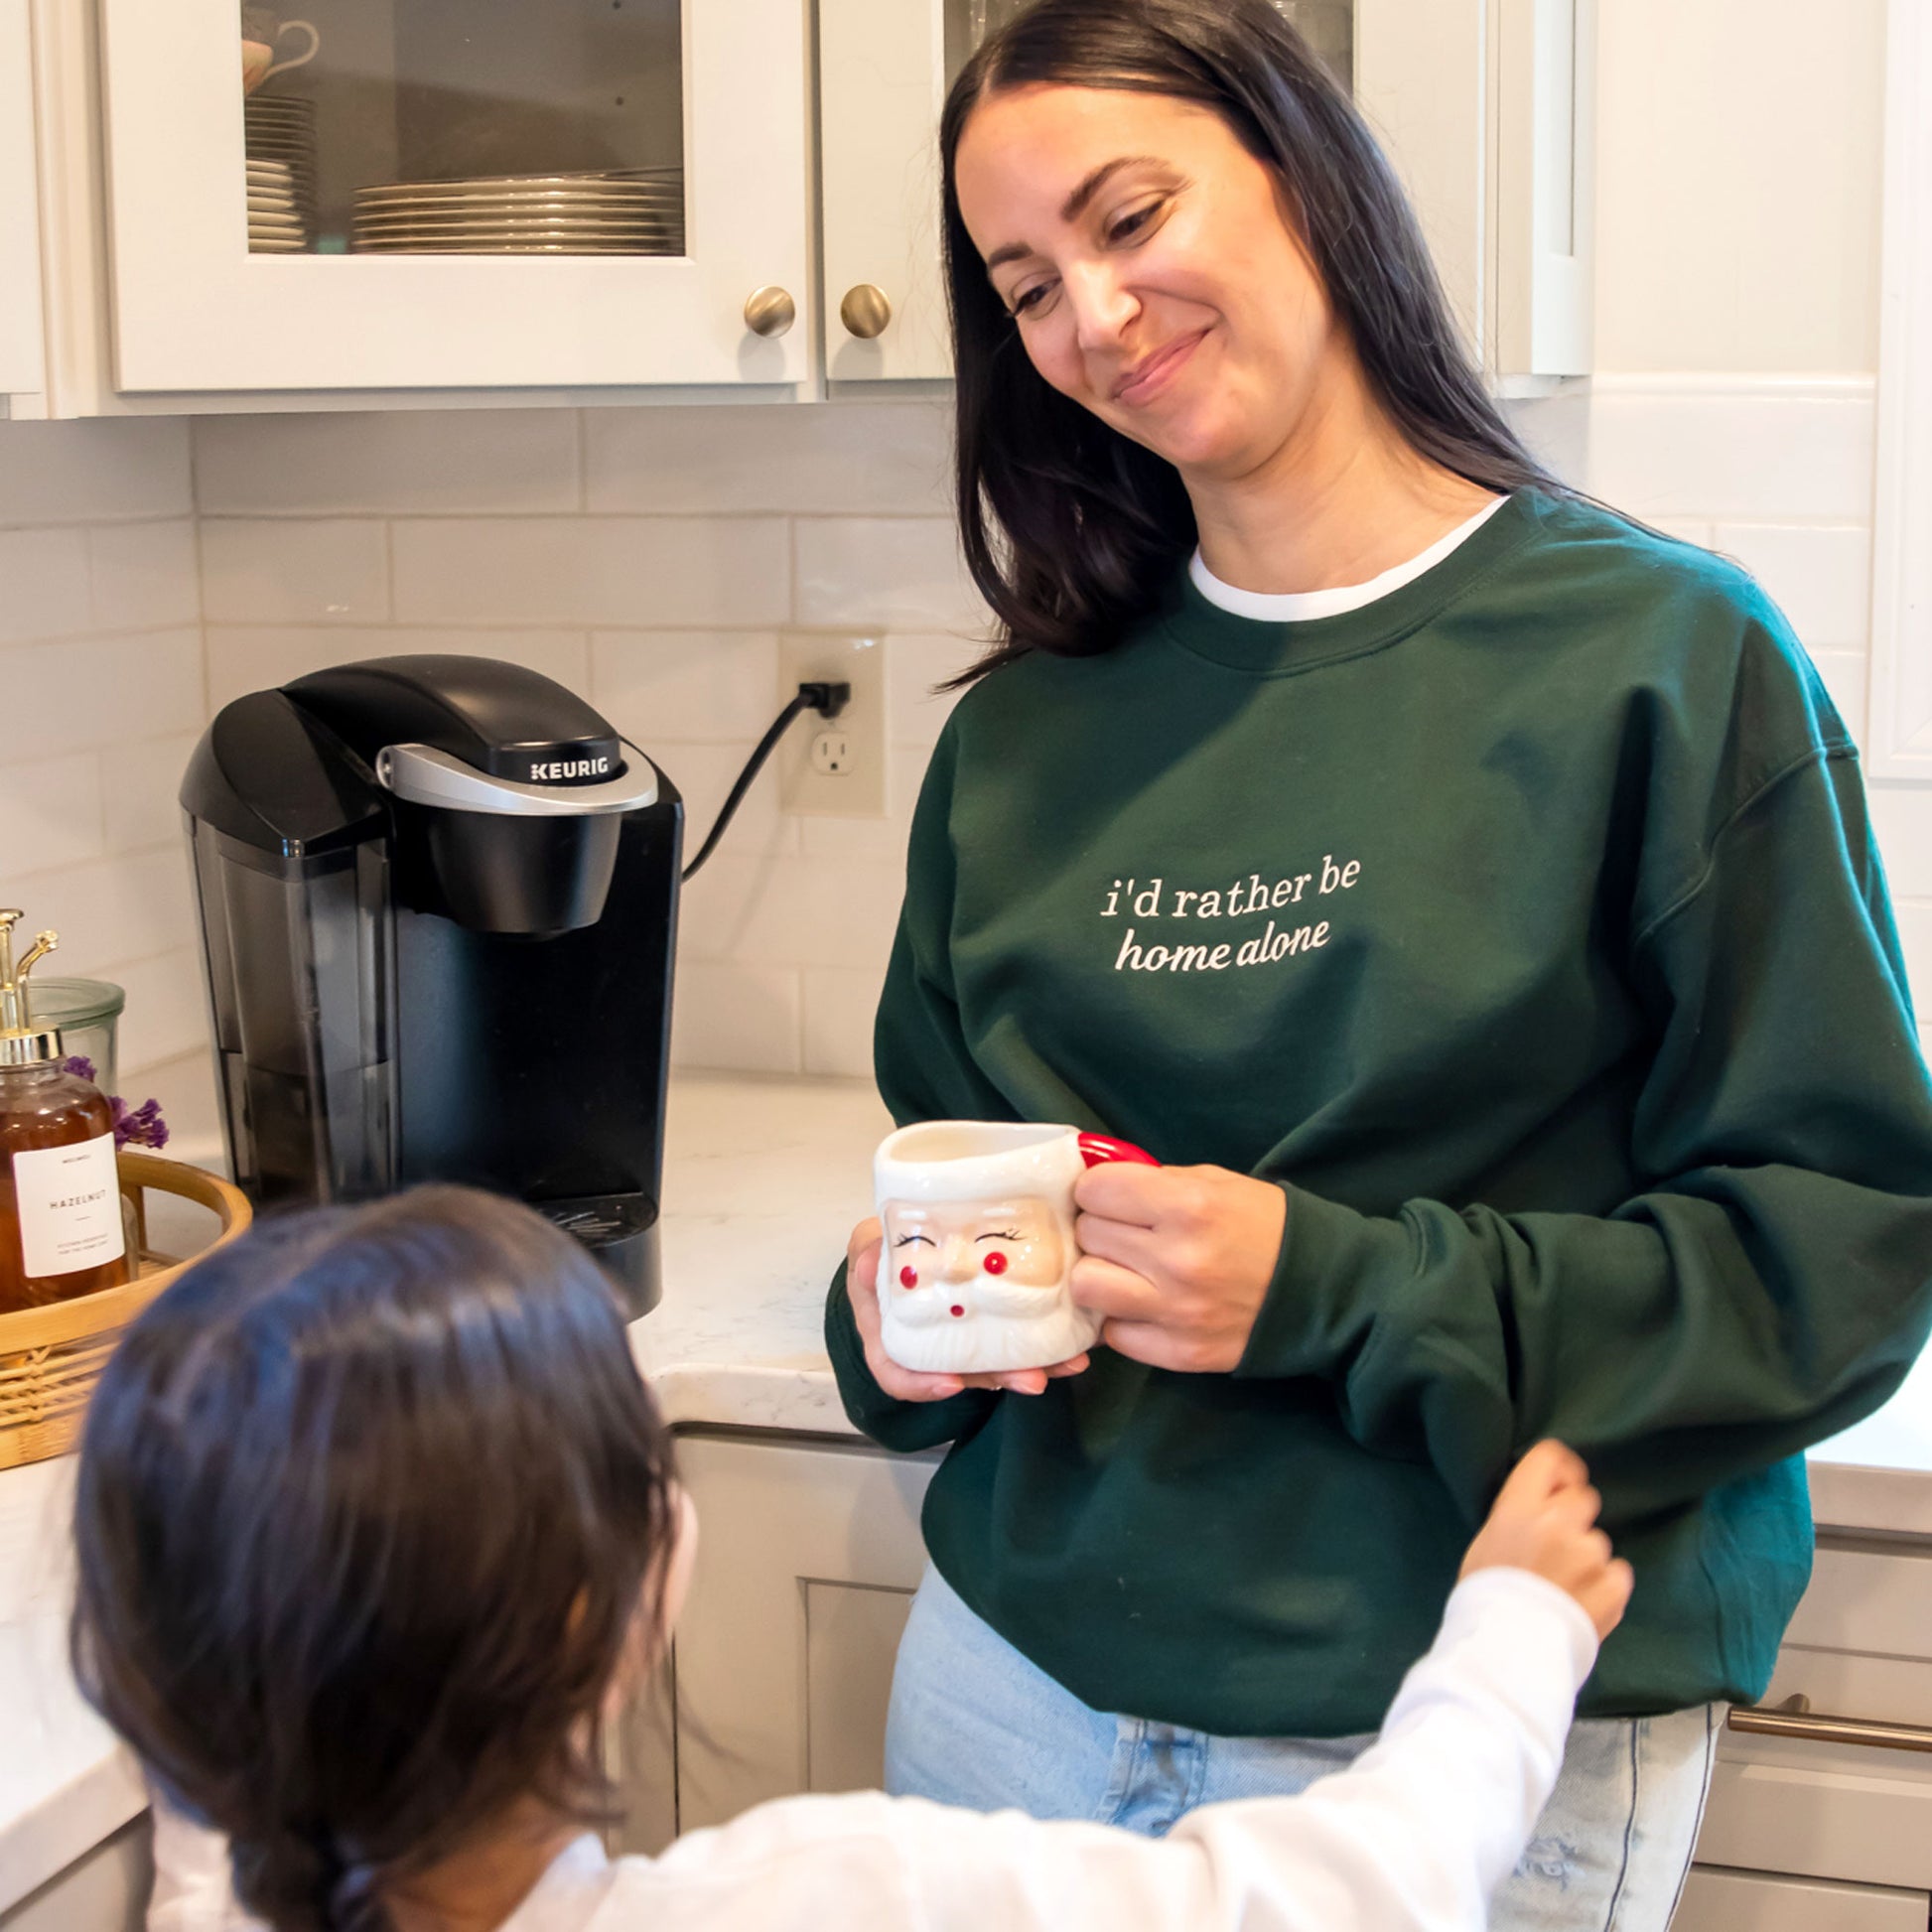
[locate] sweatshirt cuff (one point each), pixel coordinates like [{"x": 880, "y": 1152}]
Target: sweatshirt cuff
[{"x": 1334, "y": 1267}]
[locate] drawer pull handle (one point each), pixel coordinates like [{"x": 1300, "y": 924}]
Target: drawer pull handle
[{"x": 1793, "y": 1718}]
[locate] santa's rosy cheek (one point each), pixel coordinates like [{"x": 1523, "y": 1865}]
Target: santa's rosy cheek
[
  {"x": 995, "y": 1263},
  {"x": 909, "y": 1277}
]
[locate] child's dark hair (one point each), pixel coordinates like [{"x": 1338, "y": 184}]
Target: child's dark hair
[{"x": 369, "y": 1504}]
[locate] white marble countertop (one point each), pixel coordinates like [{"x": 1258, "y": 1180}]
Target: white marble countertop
[{"x": 763, "y": 1180}]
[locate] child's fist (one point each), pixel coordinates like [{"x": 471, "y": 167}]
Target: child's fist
[{"x": 1544, "y": 1522}]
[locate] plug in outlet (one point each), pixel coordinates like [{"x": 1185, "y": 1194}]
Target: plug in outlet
[{"x": 834, "y": 767}]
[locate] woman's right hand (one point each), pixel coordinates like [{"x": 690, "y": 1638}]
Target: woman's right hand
[
  {"x": 912, "y": 1384},
  {"x": 1545, "y": 1521}
]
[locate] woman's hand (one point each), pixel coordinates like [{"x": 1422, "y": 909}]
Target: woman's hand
[
  {"x": 1544, "y": 1522},
  {"x": 910, "y": 1384},
  {"x": 1177, "y": 1259}
]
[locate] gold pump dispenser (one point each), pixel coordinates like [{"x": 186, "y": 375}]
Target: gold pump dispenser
[
  {"x": 61, "y": 1227},
  {"x": 22, "y": 1043}
]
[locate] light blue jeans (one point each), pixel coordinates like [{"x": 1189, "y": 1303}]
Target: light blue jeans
[{"x": 974, "y": 1723}]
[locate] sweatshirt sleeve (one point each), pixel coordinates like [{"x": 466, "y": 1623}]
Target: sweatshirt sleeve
[
  {"x": 925, "y": 1072},
  {"x": 1414, "y": 1836},
  {"x": 1772, "y": 1281}
]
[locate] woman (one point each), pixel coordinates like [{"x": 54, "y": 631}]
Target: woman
[{"x": 1467, "y": 892}]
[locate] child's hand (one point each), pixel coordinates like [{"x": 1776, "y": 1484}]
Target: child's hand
[
  {"x": 1544, "y": 1522},
  {"x": 910, "y": 1384}
]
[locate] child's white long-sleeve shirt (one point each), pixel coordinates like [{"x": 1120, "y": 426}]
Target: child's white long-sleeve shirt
[{"x": 1414, "y": 1836}]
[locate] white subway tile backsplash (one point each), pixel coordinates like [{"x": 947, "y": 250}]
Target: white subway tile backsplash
[
  {"x": 141, "y": 790},
  {"x": 914, "y": 664},
  {"x": 126, "y": 907},
  {"x": 144, "y": 575},
  {"x": 49, "y": 815},
  {"x": 1738, "y": 455},
  {"x": 166, "y": 1015},
  {"x": 106, "y": 691},
  {"x": 903, "y": 572},
  {"x": 1817, "y": 575},
  {"x": 274, "y": 570},
  {"x": 387, "y": 462},
  {"x": 744, "y": 1018},
  {"x": 840, "y": 1005},
  {"x": 613, "y": 572},
  {"x": 43, "y": 584},
  {"x": 253, "y": 657},
  {"x": 688, "y": 686},
  {"x": 802, "y": 912},
  {"x": 703, "y": 774},
  {"x": 893, "y": 458},
  {"x": 95, "y": 470}
]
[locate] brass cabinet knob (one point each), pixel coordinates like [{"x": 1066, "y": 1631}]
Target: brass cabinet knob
[
  {"x": 866, "y": 311},
  {"x": 770, "y": 310}
]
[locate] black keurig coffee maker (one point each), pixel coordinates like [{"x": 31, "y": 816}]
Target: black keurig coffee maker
[{"x": 438, "y": 900}]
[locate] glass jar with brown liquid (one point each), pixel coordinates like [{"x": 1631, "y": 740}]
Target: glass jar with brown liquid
[{"x": 60, "y": 1231}]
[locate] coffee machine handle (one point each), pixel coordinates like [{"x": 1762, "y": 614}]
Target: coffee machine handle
[{"x": 426, "y": 776}]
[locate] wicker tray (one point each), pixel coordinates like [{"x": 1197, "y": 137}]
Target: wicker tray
[{"x": 51, "y": 1357}]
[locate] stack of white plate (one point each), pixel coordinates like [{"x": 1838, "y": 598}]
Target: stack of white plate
[
  {"x": 635, "y": 211},
  {"x": 276, "y": 224},
  {"x": 281, "y": 146}
]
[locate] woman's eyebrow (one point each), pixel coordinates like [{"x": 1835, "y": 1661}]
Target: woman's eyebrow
[{"x": 1071, "y": 208}]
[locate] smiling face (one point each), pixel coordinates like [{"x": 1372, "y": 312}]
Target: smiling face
[
  {"x": 1016, "y": 1242},
  {"x": 1153, "y": 270}
]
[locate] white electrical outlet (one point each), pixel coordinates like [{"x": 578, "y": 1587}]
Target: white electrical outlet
[{"x": 834, "y": 767}]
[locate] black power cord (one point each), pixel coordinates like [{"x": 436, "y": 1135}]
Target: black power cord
[{"x": 827, "y": 699}]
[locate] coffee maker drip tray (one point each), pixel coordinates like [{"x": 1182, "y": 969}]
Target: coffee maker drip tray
[{"x": 621, "y": 1230}]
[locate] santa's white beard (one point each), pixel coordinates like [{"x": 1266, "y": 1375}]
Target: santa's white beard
[{"x": 1004, "y": 1326}]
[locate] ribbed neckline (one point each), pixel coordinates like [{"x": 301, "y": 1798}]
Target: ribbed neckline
[{"x": 1205, "y": 629}]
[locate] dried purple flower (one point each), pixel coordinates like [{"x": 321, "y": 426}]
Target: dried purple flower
[
  {"x": 140, "y": 1126},
  {"x": 80, "y": 1067}
]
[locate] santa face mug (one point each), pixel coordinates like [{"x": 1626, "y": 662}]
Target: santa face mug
[{"x": 977, "y": 1247}]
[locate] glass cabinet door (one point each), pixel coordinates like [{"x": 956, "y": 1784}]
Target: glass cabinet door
[{"x": 349, "y": 194}]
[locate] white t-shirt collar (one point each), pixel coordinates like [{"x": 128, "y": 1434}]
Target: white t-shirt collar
[{"x": 1297, "y": 606}]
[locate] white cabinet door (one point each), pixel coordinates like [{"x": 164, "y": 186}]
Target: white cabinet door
[
  {"x": 808, "y": 1554},
  {"x": 1757, "y": 1901},
  {"x": 305, "y": 269},
  {"x": 881, "y": 83},
  {"x": 1486, "y": 110},
  {"x": 105, "y": 1892},
  {"x": 21, "y": 371}
]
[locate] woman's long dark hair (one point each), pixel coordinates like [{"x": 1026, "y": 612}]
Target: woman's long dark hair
[
  {"x": 369, "y": 1503},
  {"x": 1071, "y": 530}
]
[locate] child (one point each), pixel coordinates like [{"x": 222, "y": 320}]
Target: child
[{"x": 376, "y": 1521}]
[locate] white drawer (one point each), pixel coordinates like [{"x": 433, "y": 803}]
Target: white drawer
[
  {"x": 1758, "y": 1901},
  {"x": 1858, "y": 1648}
]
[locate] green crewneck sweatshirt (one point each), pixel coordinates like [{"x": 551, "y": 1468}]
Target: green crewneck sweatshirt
[{"x": 1525, "y": 927}]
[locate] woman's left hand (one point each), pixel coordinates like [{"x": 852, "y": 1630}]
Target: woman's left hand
[{"x": 1177, "y": 1259}]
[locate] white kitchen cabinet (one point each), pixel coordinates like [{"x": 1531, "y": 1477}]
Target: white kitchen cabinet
[
  {"x": 105, "y": 1891},
  {"x": 1486, "y": 109},
  {"x": 330, "y": 283},
  {"x": 1755, "y": 1901},
  {"x": 882, "y": 79},
  {"x": 1847, "y": 1811},
  {"x": 22, "y": 365},
  {"x": 809, "y": 1555}
]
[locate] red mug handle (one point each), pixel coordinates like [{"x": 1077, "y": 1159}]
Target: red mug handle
[{"x": 1096, "y": 1148}]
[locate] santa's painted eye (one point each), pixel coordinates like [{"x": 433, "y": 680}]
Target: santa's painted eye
[
  {"x": 995, "y": 1263},
  {"x": 909, "y": 1277}
]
